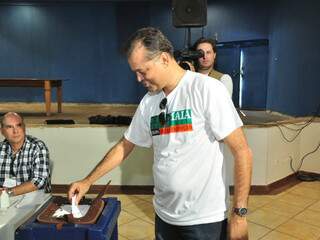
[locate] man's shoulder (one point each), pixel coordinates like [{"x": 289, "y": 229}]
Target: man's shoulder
[
  {"x": 35, "y": 141},
  {"x": 203, "y": 81},
  {"x": 150, "y": 98},
  {"x": 216, "y": 74},
  {"x": 4, "y": 142}
]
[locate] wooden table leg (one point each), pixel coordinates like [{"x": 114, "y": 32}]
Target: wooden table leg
[
  {"x": 59, "y": 98},
  {"x": 47, "y": 96}
]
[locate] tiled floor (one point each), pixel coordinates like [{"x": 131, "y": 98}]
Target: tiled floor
[{"x": 290, "y": 215}]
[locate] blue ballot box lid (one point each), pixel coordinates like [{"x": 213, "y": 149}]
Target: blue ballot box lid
[{"x": 105, "y": 228}]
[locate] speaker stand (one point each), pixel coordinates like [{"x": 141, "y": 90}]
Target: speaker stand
[{"x": 188, "y": 38}]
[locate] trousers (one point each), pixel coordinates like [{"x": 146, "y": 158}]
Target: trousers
[{"x": 208, "y": 231}]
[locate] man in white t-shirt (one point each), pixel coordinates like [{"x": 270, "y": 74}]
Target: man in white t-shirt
[
  {"x": 205, "y": 64},
  {"x": 186, "y": 119}
]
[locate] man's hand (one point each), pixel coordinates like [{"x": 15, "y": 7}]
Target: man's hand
[
  {"x": 238, "y": 228},
  {"x": 79, "y": 188}
]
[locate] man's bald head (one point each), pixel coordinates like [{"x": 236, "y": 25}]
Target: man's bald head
[{"x": 10, "y": 115}]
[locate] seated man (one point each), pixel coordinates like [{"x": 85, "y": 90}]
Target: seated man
[
  {"x": 24, "y": 160},
  {"x": 206, "y": 63}
]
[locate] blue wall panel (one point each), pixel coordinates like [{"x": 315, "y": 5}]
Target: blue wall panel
[
  {"x": 294, "y": 58},
  {"x": 76, "y": 41},
  {"x": 82, "y": 41}
]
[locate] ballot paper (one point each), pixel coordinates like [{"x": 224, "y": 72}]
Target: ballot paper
[
  {"x": 74, "y": 208},
  {"x": 77, "y": 211}
]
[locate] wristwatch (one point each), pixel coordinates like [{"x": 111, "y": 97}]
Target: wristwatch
[
  {"x": 10, "y": 192},
  {"x": 240, "y": 211}
]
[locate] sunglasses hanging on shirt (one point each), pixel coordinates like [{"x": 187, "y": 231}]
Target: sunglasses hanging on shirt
[{"x": 163, "y": 113}]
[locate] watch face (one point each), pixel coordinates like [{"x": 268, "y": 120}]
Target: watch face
[{"x": 243, "y": 211}]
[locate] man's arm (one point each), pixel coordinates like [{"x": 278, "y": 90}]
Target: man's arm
[
  {"x": 242, "y": 154},
  {"x": 23, "y": 188},
  {"x": 111, "y": 160}
]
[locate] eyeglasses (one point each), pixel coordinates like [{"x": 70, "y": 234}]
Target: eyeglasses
[{"x": 162, "y": 115}]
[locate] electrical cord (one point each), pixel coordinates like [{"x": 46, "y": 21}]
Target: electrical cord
[
  {"x": 301, "y": 124},
  {"x": 298, "y": 130},
  {"x": 302, "y": 175}
]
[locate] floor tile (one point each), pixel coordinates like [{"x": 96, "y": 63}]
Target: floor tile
[
  {"x": 257, "y": 231},
  {"x": 137, "y": 229},
  {"x": 148, "y": 238},
  {"x": 126, "y": 199},
  {"x": 282, "y": 208},
  {"x": 122, "y": 237},
  {"x": 267, "y": 218},
  {"x": 297, "y": 200},
  {"x": 312, "y": 185},
  {"x": 147, "y": 198},
  {"x": 125, "y": 217},
  {"x": 300, "y": 230},
  {"x": 258, "y": 201},
  {"x": 315, "y": 206},
  {"x": 144, "y": 210},
  {"x": 291, "y": 215},
  {"x": 274, "y": 235},
  {"x": 309, "y": 216},
  {"x": 312, "y": 193}
]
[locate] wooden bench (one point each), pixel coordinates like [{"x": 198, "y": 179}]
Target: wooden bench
[{"x": 46, "y": 84}]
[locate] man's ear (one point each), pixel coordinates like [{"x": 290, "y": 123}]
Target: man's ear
[{"x": 165, "y": 58}]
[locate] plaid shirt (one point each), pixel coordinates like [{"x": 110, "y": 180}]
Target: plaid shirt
[{"x": 30, "y": 163}]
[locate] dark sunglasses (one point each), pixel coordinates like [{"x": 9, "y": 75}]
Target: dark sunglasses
[{"x": 162, "y": 115}]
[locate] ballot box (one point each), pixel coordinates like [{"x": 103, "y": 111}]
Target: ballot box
[{"x": 105, "y": 228}]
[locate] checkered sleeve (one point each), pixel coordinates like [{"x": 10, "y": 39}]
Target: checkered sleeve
[
  {"x": 4, "y": 165},
  {"x": 41, "y": 168}
]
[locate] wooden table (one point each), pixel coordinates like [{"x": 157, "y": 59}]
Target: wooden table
[{"x": 46, "y": 84}]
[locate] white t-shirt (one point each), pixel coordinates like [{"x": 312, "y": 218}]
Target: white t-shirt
[
  {"x": 227, "y": 82},
  {"x": 188, "y": 169}
]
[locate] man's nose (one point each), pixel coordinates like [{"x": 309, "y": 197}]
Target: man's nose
[{"x": 139, "y": 77}]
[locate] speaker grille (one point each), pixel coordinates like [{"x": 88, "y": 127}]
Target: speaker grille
[{"x": 189, "y": 13}]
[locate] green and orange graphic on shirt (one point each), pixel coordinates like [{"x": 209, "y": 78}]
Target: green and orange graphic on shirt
[{"x": 177, "y": 121}]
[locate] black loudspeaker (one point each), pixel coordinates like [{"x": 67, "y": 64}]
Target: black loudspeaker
[{"x": 189, "y": 13}]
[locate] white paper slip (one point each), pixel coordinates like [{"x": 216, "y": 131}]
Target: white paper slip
[{"x": 74, "y": 208}]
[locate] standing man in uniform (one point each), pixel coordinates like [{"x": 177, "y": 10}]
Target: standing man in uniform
[{"x": 205, "y": 64}]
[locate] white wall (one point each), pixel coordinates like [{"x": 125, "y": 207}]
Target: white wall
[{"x": 75, "y": 151}]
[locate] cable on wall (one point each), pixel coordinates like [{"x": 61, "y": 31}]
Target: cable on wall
[
  {"x": 305, "y": 176},
  {"x": 298, "y": 130}
]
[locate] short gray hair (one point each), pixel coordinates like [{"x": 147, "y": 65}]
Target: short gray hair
[{"x": 152, "y": 39}]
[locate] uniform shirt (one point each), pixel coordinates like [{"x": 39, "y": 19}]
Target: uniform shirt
[
  {"x": 189, "y": 170},
  {"x": 30, "y": 163},
  {"x": 224, "y": 78}
]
